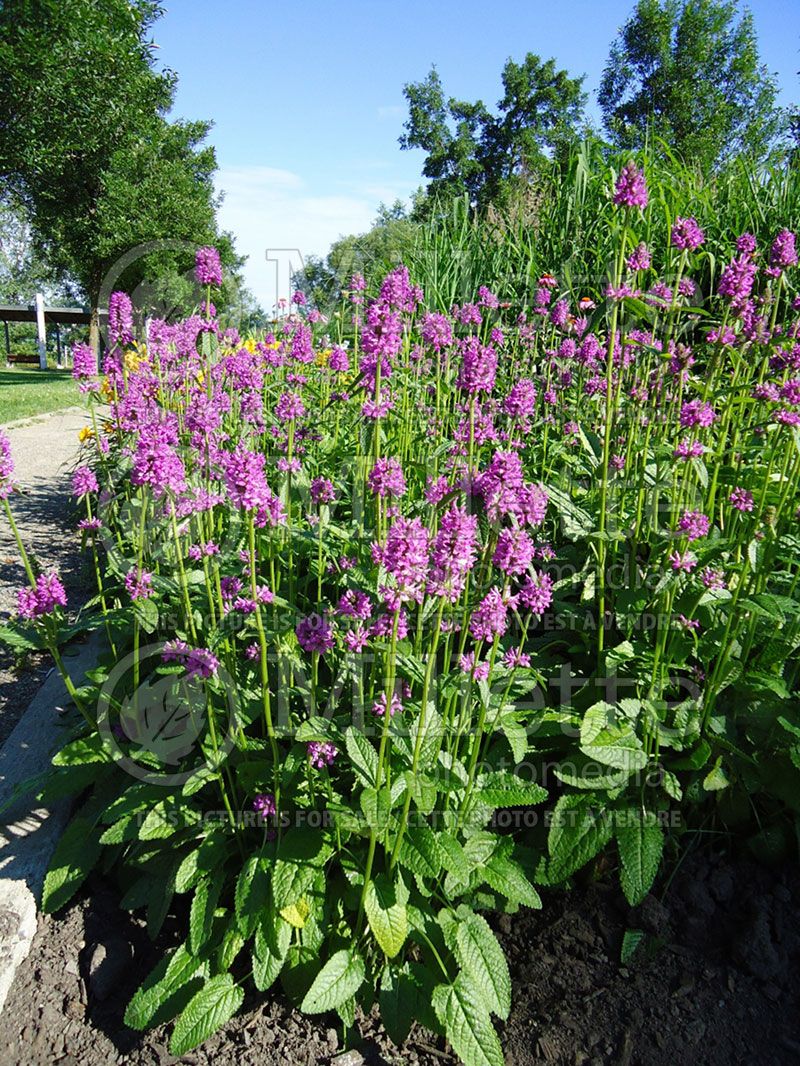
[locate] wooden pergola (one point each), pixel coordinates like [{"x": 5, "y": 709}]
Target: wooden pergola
[{"x": 39, "y": 314}]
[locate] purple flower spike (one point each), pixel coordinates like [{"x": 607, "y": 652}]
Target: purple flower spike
[
  {"x": 630, "y": 190},
  {"x": 686, "y": 234},
  {"x": 120, "y": 318},
  {"x": 207, "y": 267},
  {"x": 264, "y": 804},
  {"x": 6, "y": 467}
]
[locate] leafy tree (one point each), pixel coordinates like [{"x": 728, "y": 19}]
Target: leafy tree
[
  {"x": 688, "y": 72},
  {"x": 794, "y": 132},
  {"x": 540, "y": 111},
  {"x": 449, "y": 131},
  {"x": 84, "y": 142},
  {"x": 23, "y": 271},
  {"x": 470, "y": 148},
  {"x": 157, "y": 193}
]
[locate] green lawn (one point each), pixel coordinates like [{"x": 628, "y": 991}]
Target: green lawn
[{"x": 26, "y": 391}]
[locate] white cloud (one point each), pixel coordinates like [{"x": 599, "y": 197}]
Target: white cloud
[
  {"x": 386, "y": 194},
  {"x": 259, "y": 177},
  {"x": 391, "y": 111},
  {"x": 273, "y": 210}
]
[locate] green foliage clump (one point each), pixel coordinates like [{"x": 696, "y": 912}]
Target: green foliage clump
[{"x": 688, "y": 73}]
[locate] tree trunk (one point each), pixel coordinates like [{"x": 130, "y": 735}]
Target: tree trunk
[
  {"x": 94, "y": 331},
  {"x": 93, "y": 292}
]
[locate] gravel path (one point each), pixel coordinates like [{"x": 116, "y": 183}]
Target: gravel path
[{"x": 45, "y": 452}]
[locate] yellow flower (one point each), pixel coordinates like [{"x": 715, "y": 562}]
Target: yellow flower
[
  {"x": 249, "y": 345},
  {"x": 134, "y": 357},
  {"x": 200, "y": 376},
  {"x": 109, "y": 427},
  {"x": 87, "y": 433},
  {"x": 107, "y": 389},
  {"x": 321, "y": 358}
]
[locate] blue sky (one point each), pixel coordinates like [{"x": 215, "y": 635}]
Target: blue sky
[{"x": 307, "y": 103}]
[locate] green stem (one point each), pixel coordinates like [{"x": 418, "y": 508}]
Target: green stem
[
  {"x": 387, "y": 719},
  {"x": 420, "y": 730},
  {"x": 262, "y": 643}
]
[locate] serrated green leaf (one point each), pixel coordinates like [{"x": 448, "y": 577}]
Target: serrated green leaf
[
  {"x": 755, "y": 553},
  {"x": 123, "y": 830},
  {"x": 716, "y": 779},
  {"x": 577, "y": 522},
  {"x": 577, "y": 833},
  {"x": 166, "y": 818},
  {"x": 272, "y": 940},
  {"x": 159, "y": 903},
  {"x": 422, "y": 789},
  {"x": 504, "y": 789},
  {"x": 385, "y": 908},
  {"x": 482, "y": 961},
  {"x": 671, "y": 785},
  {"x": 790, "y": 727},
  {"x": 631, "y": 939},
  {"x": 480, "y": 846},
  {"x": 338, "y": 980},
  {"x": 640, "y": 840},
  {"x": 449, "y": 925},
  {"x": 208, "y": 1010},
  {"x": 430, "y": 736},
  {"x": 232, "y": 943},
  {"x": 411, "y": 668},
  {"x": 362, "y": 754},
  {"x": 314, "y": 728},
  {"x": 397, "y": 1001},
  {"x": 575, "y": 775},
  {"x": 141, "y": 892},
  {"x": 252, "y": 893},
  {"x": 516, "y": 735},
  {"x": 454, "y": 857},
  {"x": 201, "y": 915},
  {"x": 157, "y": 1000},
  {"x": 21, "y": 637},
  {"x": 347, "y": 1012},
  {"x": 197, "y": 781},
  {"x": 296, "y": 914},
  {"x": 609, "y": 740},
  {"x": 203, "y": 860},
  {"x": 376, "y": 807},
  {"x": 467, "y": 1025},
  {"x": 415, "y": 984},
  {"x": 146, "y": 612},
  {"x": 74, "y": 857},
  {"x": 508, "y": 878},
  {"x": 290, "y": 882},
  {"x": 137, "y": 797},
  {"x": 420, "y": 852},
  {"x": 82, "y": 751},
  {"x": 595, "y": 721},
  {"x": 696, "y": 759},
  {"x": 622, "y": 653}
]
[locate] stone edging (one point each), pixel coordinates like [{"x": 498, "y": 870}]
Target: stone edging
[{"x": 28, "y": 831}]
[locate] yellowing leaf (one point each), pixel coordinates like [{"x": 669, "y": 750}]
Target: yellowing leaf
[{"x": 296, "y": 914}]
